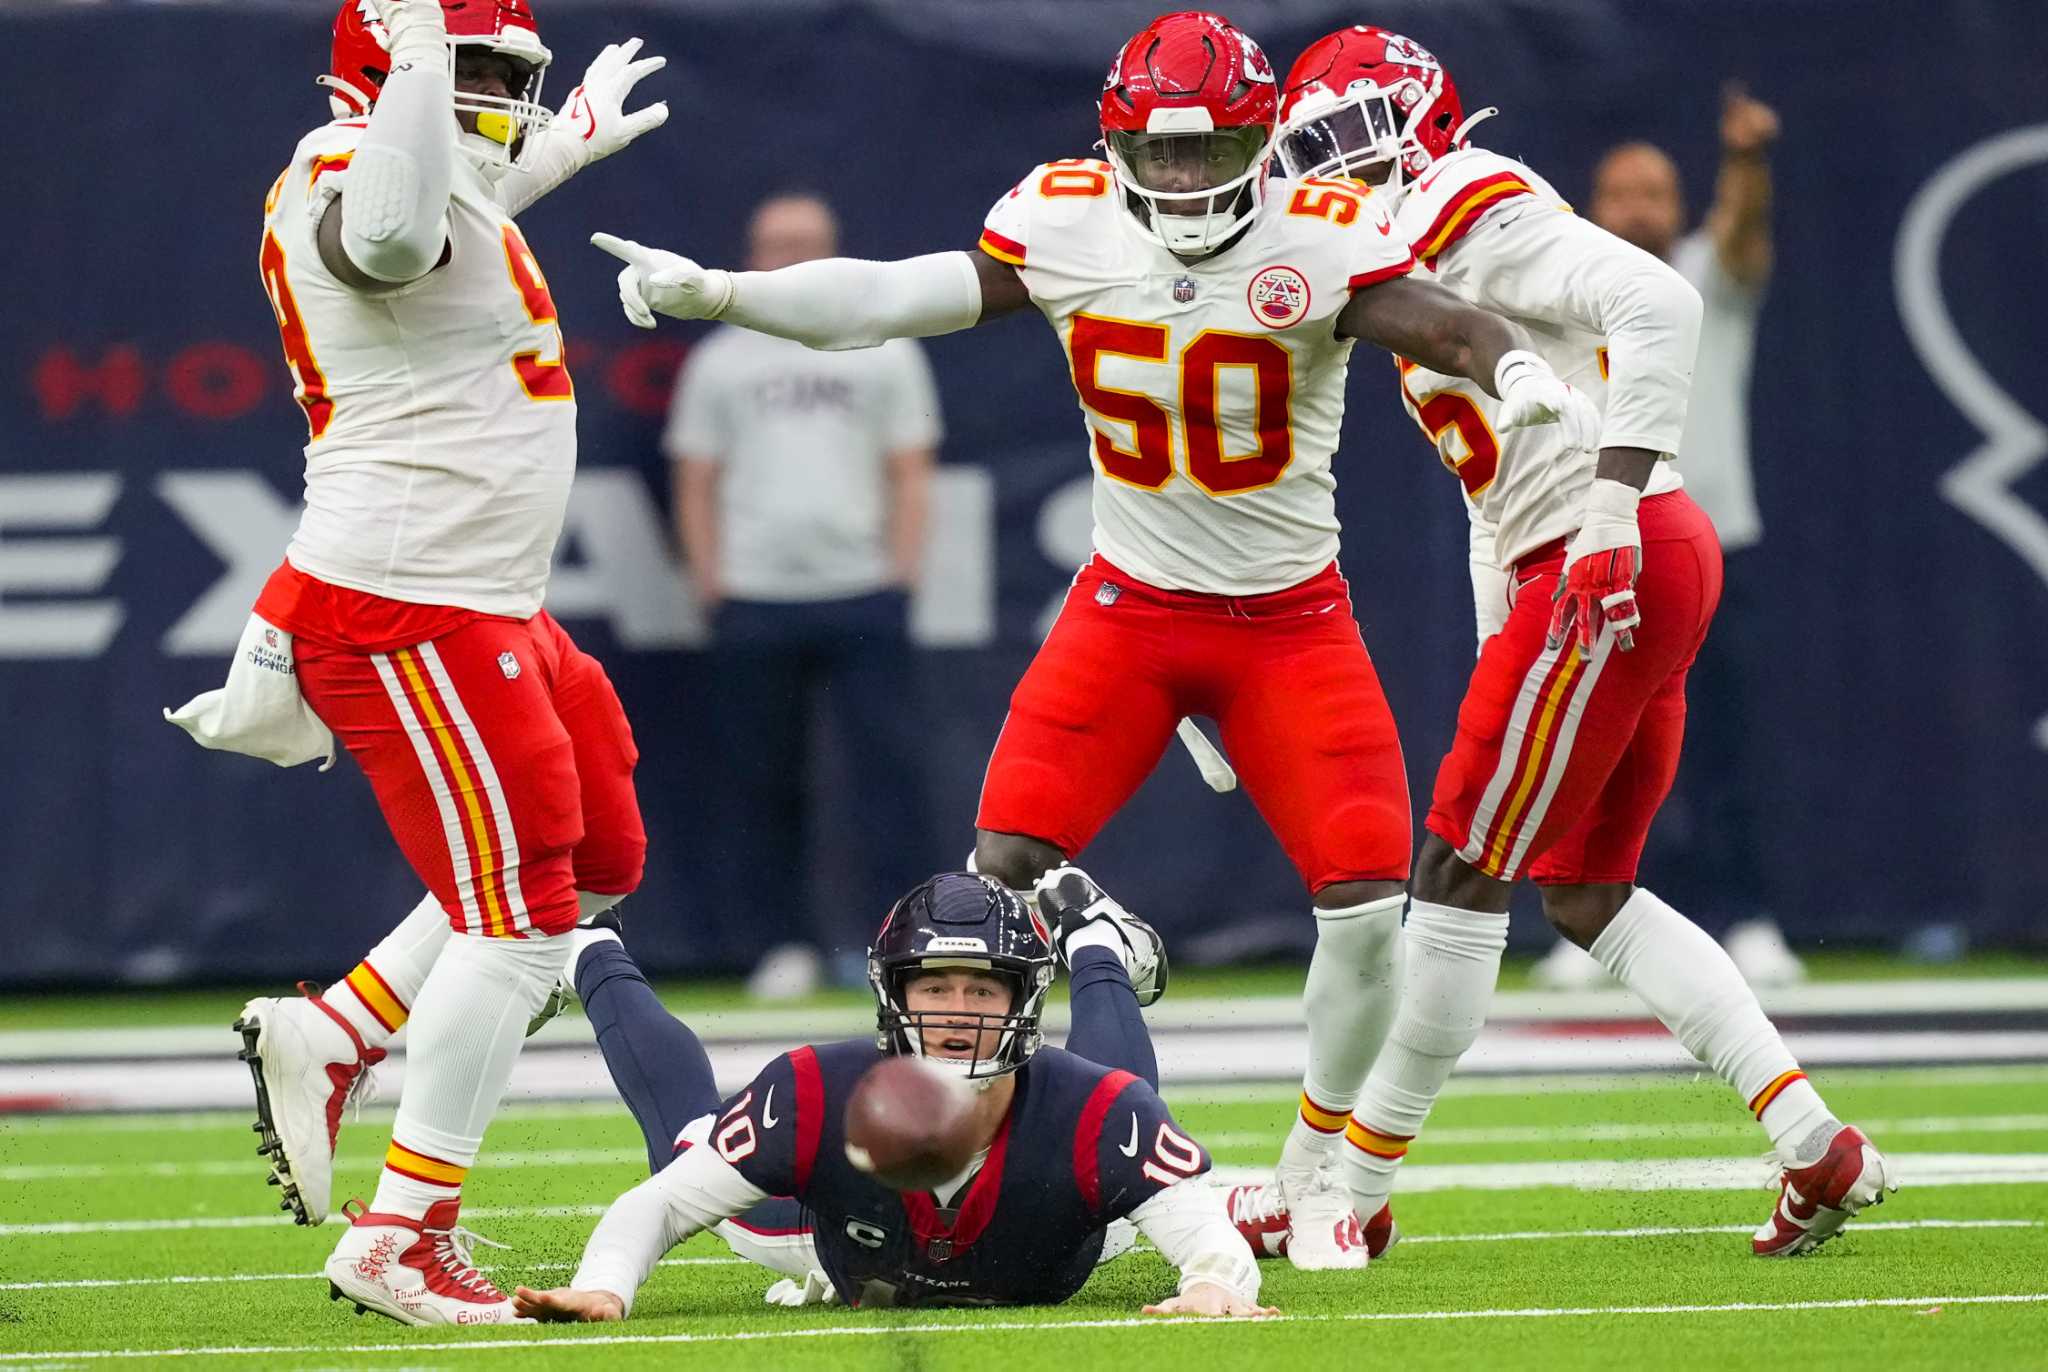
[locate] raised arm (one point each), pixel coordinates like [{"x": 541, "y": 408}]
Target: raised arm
[
  {"x": 390, "y": 225},
  {"x": 1740, "y": 221},
  {"x": 834, "y": 303}
]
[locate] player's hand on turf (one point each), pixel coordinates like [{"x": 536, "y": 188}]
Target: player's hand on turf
[
  {"x": 1600, "y": 565},
  {"x": 656, "y": 282},
  {"x": 1531, "y": 393},
  {"x": 596, "y": 110},
  {"x": 567, "y": 1303},
  {"x": 1207, "y": 1298}
]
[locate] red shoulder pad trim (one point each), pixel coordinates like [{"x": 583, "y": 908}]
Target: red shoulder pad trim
[
  {"x": 1002, "y": 249},
  {"x": 1466, "y": 208},
  {"x": 1088, "y": 1136},
  {"x": 810, "y": 1112},
  {"x": 1388, "y": 273}
]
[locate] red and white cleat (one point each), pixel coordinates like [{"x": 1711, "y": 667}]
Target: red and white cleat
[
  {"x": 1815, "y": 1201},
  {"x": 1331, "y": 1238},
  {"x": 415, "y": 1271},
  {"x": 308, "y": 1064}
]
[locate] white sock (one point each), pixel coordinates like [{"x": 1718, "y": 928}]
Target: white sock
[
  {"x": 1689, "y": 981},
  {"x": 1348, "y": 1001},
  {"x": 582, "y": 941},
  {"x": 1453, "y": 961},
  {"x": 467, "y": 1029},
  {"x": 1099, "y": 934},
  {"x": 376, "y": 998}
]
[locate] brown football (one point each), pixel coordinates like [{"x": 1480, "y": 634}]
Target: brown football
[{"x": 910, "y": 1125}]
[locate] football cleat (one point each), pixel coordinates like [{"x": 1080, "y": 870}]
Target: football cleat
[
  {"x": 1816, "y": 1200},
  {"x": 417, "y": 1272},
  {"x": 1070, "y": 901},
  {"x": 308, "y": 1064},
  {"x": 1332, "y": 1238},
  {"x": 564, "y": 989}
]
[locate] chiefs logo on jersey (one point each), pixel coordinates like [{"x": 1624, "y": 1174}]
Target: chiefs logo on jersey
[{"x": 1279, "y": 297}]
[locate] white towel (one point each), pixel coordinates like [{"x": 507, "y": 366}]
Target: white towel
[{"x": 260, "y": 711}]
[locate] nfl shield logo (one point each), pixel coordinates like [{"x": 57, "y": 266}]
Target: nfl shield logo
[
  {"x": 270, "y": 637},
  {"x": 1184, "y": 289},
  {"x": 509, "y": 665},
  {"x": 1107, "y": 592}
]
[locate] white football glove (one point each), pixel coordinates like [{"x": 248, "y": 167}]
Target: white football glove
[
  {"x": 408, "y": 23},
  {"x": 1531, "y": 394},
  {"x": 656, "y": 282},
  {"x": 596, "y": 110}
]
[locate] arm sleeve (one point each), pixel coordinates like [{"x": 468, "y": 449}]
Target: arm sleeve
[
  {"x": 1546, "y": 264},
  {"x": 843, "y": 302},
  {"x": 395, "y": 207},
  {"x": 1189, "y": 1226},
  {"x": 912, "y": 420},
  {"x": 557, "y": 154},
  {"x": 695, "y": 1191},
  {"x": 696, "y": 425}
]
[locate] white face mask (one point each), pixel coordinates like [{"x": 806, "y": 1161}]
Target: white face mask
[{"x": 1193, "y": 189}]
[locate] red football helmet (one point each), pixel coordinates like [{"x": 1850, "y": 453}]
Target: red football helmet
[
  {"x": 1188, "y": 115},
  {"x": 1367, "y": 103},
  {"x": 361, "y": 59}
]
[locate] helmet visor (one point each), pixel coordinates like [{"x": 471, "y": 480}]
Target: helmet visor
[
  {"x": 1181, "y": 166},
  {"x": 1360, "y": 138}
]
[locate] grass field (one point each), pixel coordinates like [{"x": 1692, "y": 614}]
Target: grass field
[{"x": 134, "y": 1237}]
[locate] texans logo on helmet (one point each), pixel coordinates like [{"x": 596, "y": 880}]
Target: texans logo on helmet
[{"x": 1279, "y": 297}]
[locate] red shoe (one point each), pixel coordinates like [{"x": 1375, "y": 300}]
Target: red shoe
[
  {"x": 1816, "y": 1200},
  {"x": 415, "y": 1271},
  {"x": 1260, "y": 1213}
]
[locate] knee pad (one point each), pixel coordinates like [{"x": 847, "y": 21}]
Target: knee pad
[
  {"x": 1364, "y": 940},
  {"x": 527, "y": 967}
]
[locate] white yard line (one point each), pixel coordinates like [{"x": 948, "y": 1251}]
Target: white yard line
[
  {"x": 1565, "y": 1133},
  {"x": 1510, "y": 1236},
  {"x": 529, "y": 1346},
  {"x": 1576, "y": 1083},
  {"x": 1746, "y": 1173}
]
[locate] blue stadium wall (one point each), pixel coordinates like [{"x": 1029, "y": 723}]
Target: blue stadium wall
[{"x": 151, "y": 451}]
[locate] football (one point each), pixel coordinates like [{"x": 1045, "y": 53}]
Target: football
[{"x": 910, "y": 1125}]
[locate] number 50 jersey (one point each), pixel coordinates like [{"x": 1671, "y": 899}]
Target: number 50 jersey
[
  {"x": 440, "y": 415},
  {"x": 1213, "y": 391}
]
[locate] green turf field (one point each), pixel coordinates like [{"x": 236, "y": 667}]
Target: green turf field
[{"x": 133, "y": 1236}]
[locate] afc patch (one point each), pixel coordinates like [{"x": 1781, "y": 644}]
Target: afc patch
[
  {"x": 1278, "y": 297},
  {"x": 509, "y": 665}
]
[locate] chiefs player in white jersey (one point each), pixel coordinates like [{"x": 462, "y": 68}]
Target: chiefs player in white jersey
[
  {"x": 426, "y": 354},
  {"x": 1208, "y": 313},
  {"x": 1595, "y": 578}
]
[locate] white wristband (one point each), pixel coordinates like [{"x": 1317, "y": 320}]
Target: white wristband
[
  {"x": 1614, "y": 498},
  {"x": 1511, "y": 362}
]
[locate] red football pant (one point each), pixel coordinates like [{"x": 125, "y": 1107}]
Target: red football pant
[
  {"x": 1286, "y": 678},
  {"x": 503, "y": 762},
  {"x": 1561, "y": 761}
]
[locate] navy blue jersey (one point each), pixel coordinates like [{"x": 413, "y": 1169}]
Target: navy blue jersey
[{"x": 1082, "y": 1145}]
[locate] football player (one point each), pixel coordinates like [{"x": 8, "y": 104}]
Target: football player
[
  {"x": 1595, "y": 577},
  {"x": 1208, "y": 311},
  {"x": 427, "y": 356},
  {"x": 1070, "y": 1142}
]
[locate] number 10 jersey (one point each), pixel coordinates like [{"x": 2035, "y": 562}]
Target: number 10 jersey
[{"x": 1213, "y": 391}]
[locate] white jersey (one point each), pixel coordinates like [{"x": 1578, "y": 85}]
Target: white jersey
[
  {"x": 442, "y": 418},
  {"x": 1609, "y": 318},
  {"x": 1213, "y": 392}
]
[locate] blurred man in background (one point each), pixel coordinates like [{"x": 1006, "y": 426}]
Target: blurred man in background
[
  {"x": 802, "y": 484},
  {"x": 1715, "y": 869}
]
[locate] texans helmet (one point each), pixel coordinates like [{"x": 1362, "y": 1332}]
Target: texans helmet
[{"x": 958, "y": 919}]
